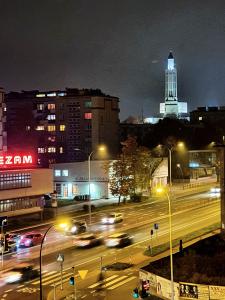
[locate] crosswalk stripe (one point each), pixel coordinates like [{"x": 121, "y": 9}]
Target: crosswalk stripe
[
  {"x": 49, "y": 274},
  {"x": 100, "y": 282},
  {"x": 121, "y": 283},
  {"x": 114, "y": 281},
  {"x": 55, "y": 280}
]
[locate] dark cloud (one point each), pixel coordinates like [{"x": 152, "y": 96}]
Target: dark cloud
[{"x": 118, "y": 46}]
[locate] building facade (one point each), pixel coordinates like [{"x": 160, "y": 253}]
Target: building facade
[
  {"x": 3, "y": 135},
  {"x": 171, "y": 106},
  {"x": 22, "y": 185},
  {"x": 62, "y": 126},
  {"x": 210, "y": 114}
]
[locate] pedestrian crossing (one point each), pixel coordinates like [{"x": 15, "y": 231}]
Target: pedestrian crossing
[{"x": 112, "y": 282}]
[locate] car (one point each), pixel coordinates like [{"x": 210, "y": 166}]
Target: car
[
  {"x": 12, "y": 240},
  {"x": 112, "y": 218},
  {"x": 86, "y": 240},
  {"x": 215, "y": 190},
  {"x": 76, "y": 227},
  {"x": 30, "y": 239},
  {"x": 22, "y": 272},
  {"x": 118, "y": 240}
]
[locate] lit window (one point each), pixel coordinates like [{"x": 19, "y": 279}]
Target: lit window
[
  {"x": 51, "y": 106},
  {"x": 62, "y": 127},
  {"x": 51, "y": 127},
  {"x": 61, "y": 94},
  {"x": 52, "y": 138},
  {"x": 200, "y": 118},
  {"x": 41, "y": 150},
  {"x": 27, "y": 128},
  {"x": 88, "y": 116},
  {"x": 51, "y": 94},
  {"x": 40, "y": 127},
  {"x": 5, "y": 109},
  {"x": 51, "y": 150},
  {"x": 40, "y": 95},
  {"x": 57, "y": 173},
  {"x": 40, "y": 106},
  {"x": 87, "y": 103},
  {"x": 60, "y": 149},
  {"x": 65, "y": 172},
  {"x": 51, "y": 117}
]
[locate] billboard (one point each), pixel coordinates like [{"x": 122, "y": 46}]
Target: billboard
[
  {"x": 163, "y": 288},
  {"x": 193, "y": 291},
  {"x": 16, "y": 160},
  {"x": 216, "y": 292}
]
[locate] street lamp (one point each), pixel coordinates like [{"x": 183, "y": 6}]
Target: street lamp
[
  {"x": 160, "y": 190},
  {"x": 100, "y": 148},
  {"x": 40, "y": 257}
]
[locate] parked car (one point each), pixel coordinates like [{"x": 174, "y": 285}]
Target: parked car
[
  {"x": 76, "y": 227},
  {"x": 22, "y": 272},
  {"x": 30, "y": 239},
  {"x": 112, "y": 218},
  {"x": 87, "y": 240},
  {"x": 118, "y": 240}
]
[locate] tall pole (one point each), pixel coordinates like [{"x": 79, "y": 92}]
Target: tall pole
[
  {"x": 171, "y": 247},
  {"x": 170, "y": 165},
  {"x": 89, "y": 185},
  {"x": 40, "y": 261}
]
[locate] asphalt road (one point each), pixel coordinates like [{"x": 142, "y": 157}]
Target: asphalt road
[{"x": 189, "y": 214}]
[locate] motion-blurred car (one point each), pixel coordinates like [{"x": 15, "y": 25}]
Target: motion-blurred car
[
  {"x": 112, "y": 218},
  {"x": 76, "y": 227},
  {"x": 22, "y": 272},
  {"x": 87, "y": 240},
  {"x": 215, "y": 190},
  {"x": 118, "y": 240},
  {"x": 30, "y": 239}
]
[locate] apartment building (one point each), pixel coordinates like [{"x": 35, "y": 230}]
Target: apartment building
[{"x": 62, "y": 126}]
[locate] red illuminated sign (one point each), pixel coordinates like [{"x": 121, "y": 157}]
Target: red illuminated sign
[{"x": 15, "y": 160}]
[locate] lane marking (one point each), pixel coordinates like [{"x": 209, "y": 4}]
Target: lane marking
[
  {"x": 10, "y": 290},
  {"x": 114, "y": 281},
  {"x": 58, "y": 279},
  {"x": 45, "y": 277},
  {"x": 122, "y": 282},
  {"x": 100, "y": 282}
]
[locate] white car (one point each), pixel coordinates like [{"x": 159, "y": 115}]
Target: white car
[
  {"x": 112, "y": 218},
  {"x": 215, "y": 190}
]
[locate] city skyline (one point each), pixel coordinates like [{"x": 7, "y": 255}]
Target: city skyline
[{"x": 120, "y": 48}]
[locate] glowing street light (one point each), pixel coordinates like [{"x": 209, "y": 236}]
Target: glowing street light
[{"x": 160, "y": 190}]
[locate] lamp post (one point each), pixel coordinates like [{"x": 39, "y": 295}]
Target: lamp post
[
  {"x": 40, "y": 260},
  {"x": 160, "y": 190}
]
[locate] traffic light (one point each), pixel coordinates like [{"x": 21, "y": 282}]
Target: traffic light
[
  {"x": 145, "y": 288},
  {"x": 135, "y": 293},
  {"x": 72, "y": 281}
]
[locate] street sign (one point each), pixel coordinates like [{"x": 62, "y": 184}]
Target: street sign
[
  {"x": 4, "y": 221},
  {"x": 60, "y": 258},
  {"x": 83, "y": 273}
]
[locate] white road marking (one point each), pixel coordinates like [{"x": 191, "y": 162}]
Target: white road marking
[
  {"x": 114, "y": 281},
  {"x": 100, "y": 282},
  {"x": 45, "y": 277},
  {"x": 10, "y": 290},
  {"x": 58, "y": 279},
  {"x": 121, "y": 283}
]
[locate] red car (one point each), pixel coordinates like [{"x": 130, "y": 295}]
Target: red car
[{"x": 30, "y": 239}]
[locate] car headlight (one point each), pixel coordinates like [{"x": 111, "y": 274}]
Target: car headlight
[
  {"x": 27, "y": 242},
  {"x": 73, "y": 229},
  {"x": 111, "y": 220},
  {"x": 112, "y": 242},
  {"x": 104, "y": 220},
  {"x": 13, "y": 278}
]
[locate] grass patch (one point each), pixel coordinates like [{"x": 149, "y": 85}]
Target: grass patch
[{"x": 163, "y": 247}]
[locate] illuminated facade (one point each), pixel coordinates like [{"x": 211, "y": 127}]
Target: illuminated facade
[
  {"x": 172, "y": 107},
  {"x": 62, "y": 126},
  {"x": 3, "y": 136}
]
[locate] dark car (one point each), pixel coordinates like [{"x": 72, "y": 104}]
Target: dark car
[
  {"x": 87, "y": 240},
  {"x": 22, "y": 272},
  {"x": 118, "y": 240},
  {"x": 76, "y": 227}
]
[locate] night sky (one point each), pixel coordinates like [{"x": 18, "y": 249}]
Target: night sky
[{"x": 119, "y": 46}]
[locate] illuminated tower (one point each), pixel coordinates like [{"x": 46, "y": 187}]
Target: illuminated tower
[{"x": 171, "y": 101}]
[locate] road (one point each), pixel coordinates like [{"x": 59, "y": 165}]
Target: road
[{"x": 189, "y": 214}]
